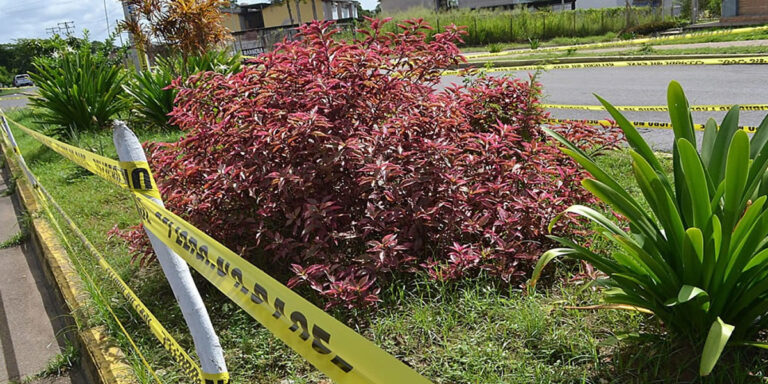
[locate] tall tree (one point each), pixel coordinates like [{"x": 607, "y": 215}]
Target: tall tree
[{"x": 190, "y": 26}]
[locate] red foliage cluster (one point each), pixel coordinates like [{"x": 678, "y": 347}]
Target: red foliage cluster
[{"x": 342, "y": 164}]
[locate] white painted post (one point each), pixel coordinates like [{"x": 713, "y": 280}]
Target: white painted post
[{"x": 177, "y": 272}]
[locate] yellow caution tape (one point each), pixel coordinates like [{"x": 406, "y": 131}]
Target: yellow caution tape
[
  {"x": 215, "y": 378},
  {"x": 332, "y": 347},
  {"x": 90, "y": 280},
  {"x": 16, "y": 88},
  {"x": 335, "y": 349},
  {"x": 658, "y": 108},
  {"x": 618, "y": 64},
  {"x": 189, "y": 366},
  {"x": 132, "y": 175},
  {"x": 618, "y": 43},
  {"x": 639, "y": 124},
  {"x": 12, "y": 98}
]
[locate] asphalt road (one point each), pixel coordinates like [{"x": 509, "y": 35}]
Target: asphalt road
[
  {"x": 16, "y": 100},
  {"x": 711, "y": 84}
]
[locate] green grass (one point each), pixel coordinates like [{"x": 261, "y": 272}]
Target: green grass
[
  {"x": 61, "y": 363},
  {"x": 478, "y": 331},
  {"x": 644, "y": 50},
  {"x": 505, "y": 26},
  {"x": 4, "y": 92}
]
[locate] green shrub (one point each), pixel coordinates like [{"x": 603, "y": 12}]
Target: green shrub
[
  {"x": 147, "y": 90},
  {"x": 78, "y": 92},
  {"x": 699, "y": 258}
]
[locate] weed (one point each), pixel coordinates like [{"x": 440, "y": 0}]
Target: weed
[
  {"x": 19, "y": 237},
  {"x": 646, "y": 49},
  {"x": 495, "y": 47},
  {"x": 62, "y": 362},
  {"x": 534, "y": 42},
  {"x": 11, "y": 188}
]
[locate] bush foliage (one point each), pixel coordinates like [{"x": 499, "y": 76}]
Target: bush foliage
[{"x": 339, "y": 163}]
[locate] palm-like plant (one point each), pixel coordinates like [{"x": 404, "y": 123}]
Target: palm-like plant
[
  {"x": 78, "y": 92},
  {"x": 699, "y": 259},
  {"x": 149, "y": 89}
]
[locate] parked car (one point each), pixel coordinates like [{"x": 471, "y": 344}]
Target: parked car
[{"x": 22, "y": 81}]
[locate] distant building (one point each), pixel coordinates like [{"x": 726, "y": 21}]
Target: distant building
[
  {"x": 267, "y": 15},
  {"x": 745, "y": 11},
  {"x": 257, "y": 27}
]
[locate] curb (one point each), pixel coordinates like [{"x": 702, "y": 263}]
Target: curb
[
  {"x": 103, "y": 362},
  {"x": 594, "y": 59}
]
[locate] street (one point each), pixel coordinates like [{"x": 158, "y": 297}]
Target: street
[
  {"x": 736, "y": 84},
  {"x": 732, "y": 84}
]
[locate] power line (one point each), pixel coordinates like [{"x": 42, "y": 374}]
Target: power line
[
  {"x": 53, "y": 30},
  {"x": 67, "y": 26}
]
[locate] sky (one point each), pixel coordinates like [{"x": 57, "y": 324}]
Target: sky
[{"x": 30, "y": 18}]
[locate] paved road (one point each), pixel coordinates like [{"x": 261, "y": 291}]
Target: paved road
[
  {"x": 17, "y": 100},
  {"x": 736, "y": 84}
]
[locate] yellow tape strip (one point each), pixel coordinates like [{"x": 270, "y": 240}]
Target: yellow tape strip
[
  {"x": 131, "y": 175},
  {"x": 332, "y": 347},
  {"x": 215, "y": 378},
  {"x": 618, "y": 64},
  {"x": 5, "y": 88},
  {"x": 617, "y": 43},
  {"x": 11, "y": 98},
  {"x": 659, "y": 108},
  {"x": 90, "y": 280},
  {"x": 639, "y": 124},
  {"x": 188, "y": 365}
]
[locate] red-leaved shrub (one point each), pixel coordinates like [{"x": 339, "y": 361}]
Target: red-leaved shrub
[{"x": 343, "y": 164}]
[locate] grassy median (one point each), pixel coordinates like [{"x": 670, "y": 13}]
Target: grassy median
[{"x": 470, "y": 332}]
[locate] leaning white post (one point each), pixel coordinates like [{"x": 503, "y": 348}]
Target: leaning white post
[{"x": 177, "y": 272}]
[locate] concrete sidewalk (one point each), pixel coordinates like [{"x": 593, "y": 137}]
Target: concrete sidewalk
[{"x": 33, "y": 322}]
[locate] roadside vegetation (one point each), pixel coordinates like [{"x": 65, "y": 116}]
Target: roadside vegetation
[
  {"x": 521, "y": 25},
  {"x": 415, "y": 216},
  {"x": 474, "y": 331},
  {"x": 658, "y": 45}
]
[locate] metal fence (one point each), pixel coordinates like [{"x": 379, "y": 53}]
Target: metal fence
[{"x": 253, "y": 42}]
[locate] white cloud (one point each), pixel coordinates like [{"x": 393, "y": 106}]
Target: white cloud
[{"x": 31, "y": 18}]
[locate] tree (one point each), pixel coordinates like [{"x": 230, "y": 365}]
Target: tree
[{"x": 191, "y": 27}]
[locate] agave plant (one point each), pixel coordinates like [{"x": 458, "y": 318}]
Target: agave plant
[
  {"x": 698, "y": 260},
  {"x": 149, "y": 89},
  {"x": 78, "y": 92}
]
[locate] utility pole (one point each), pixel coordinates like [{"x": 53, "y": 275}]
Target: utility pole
[
  {"x": 106, "y": 16},
  {"x": 694, "y": 11},
  {"x": 67, "y": 26},
  {"x": 53, "y": 30},
  {"x": 137, "y": 52}
]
